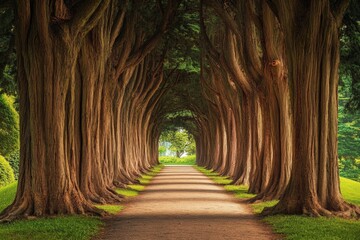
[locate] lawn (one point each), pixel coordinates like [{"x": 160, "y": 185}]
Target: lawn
[
  {"x": 302, "y": 227},
  {"x": 66, "y": 227},
  {"x": 63, "y": 227}
]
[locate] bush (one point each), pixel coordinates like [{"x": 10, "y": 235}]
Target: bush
[
  {"x": 6, "y": 172},
  {"x": 14, "y": 160},
  {"x": 188, "y": 160},
  {"x": 9, "y": 126},
  {"x": 349, "y": 168}
]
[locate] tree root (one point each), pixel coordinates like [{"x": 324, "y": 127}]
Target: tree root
[
  {"x": 25, "y": 210},
  {"x": 313, "y": 209}
]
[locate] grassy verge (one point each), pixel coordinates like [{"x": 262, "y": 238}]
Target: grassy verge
[
  {"x": 63, "y": 227},
  {"x": 132, "y": 190},
  {"x": 168, "y": 160},
  {"x": 302, "y": 227}
]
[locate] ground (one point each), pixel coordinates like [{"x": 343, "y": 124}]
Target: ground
[{"x": 182, "y": 203}]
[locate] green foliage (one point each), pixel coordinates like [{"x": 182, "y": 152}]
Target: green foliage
[
  {"x": 169, "y": 160},
  {"x": 14, "y": 161},
  {"x": 181, "y": 141},
  {"x": 162, "y": 150},
  {"x": 7, "y": 53},
  {"x": 6, "y": 172},
  {"x": 350, "y": 168},
  {"x": 9, "y": 126},
  {"x": 348, "y": 142},
  {"x": 350, "y": 61}
]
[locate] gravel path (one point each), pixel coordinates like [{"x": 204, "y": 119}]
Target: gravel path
[{"x": 182, "y": 203}]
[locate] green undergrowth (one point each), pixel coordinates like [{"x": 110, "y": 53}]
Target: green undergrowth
[
  {"x": 63, "y": 227},
  {"x": 301, "y": 227},
  {"x": 170, "y": 160}
]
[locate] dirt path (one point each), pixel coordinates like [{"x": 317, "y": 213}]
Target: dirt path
[{"x": 181, "y": 203}]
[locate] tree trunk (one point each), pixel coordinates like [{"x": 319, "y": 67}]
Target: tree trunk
[
  {"x": 313, "y": 58},
  {"x": 47, "y": 52}
]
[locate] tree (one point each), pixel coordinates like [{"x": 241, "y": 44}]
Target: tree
[
  {"x": 313, "y": 57},
  {"x": 181, "y": 141},
  {"x": 72, "y": 56},
  {"x": 7, "y": 50}
]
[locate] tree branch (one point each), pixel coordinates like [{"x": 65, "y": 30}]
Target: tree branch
[
  {"x": 87, "y": 15},
  {"x": 151, "y": 43},
  {"x": 339, "y": 10},
  {"x": 118, "y": 23},
  {"x": 6, "y": 4},
  {"x": 208, "y": 45}
]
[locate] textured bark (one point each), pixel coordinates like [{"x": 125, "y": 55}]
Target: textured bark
[
  {"x": 47, "y": 51},
  {"x": 313, "y": 58}
]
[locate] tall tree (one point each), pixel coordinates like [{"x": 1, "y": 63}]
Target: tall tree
[{"x": 312, "y": 45}]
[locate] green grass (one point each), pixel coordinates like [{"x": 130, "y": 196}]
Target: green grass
[
  {"x": 63, "y": 227},
  {"x": 69, "y": 227},
  {"x": 132, "y": 190},
  {"x": 111, "y": 208},
  {"x": 350, "y": 190},
  {"x": 7, "y": 195},
  {"x": 223, "y": 180},
  {"x": 73, "y": 227},
  {"x": 240, "y": 191},
  {"x": 303, "y": 227},
  {"x": 169, "y": 160}
]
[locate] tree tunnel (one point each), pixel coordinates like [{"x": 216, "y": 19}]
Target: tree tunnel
[{"x": 99, "y": 81}]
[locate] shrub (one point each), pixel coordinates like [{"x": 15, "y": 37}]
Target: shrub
[
  {"x": 188, "y": 160},
  {"x": 6, "y": 172},
  {"x": 191, "y": 159},
  {"x": 14, "y": 160},
  {"x": 9, "y": 126},
  {"x": 167, "y": 159}
]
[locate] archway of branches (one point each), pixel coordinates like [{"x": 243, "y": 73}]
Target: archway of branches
[{"x": 255, "y": 82}]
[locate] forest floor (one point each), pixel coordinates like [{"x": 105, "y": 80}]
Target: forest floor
[{"x": 182, "y": 203}]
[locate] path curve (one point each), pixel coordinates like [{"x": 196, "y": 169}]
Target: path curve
[{"x": 182, "y": 203}]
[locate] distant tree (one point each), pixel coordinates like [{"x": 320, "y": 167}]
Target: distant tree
[
  {"x": 350, "y": 61},
  {"x": 181, "y": 141},
  {"x": 7, "y": 52},
  {"x": 162, "y": 150}
]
